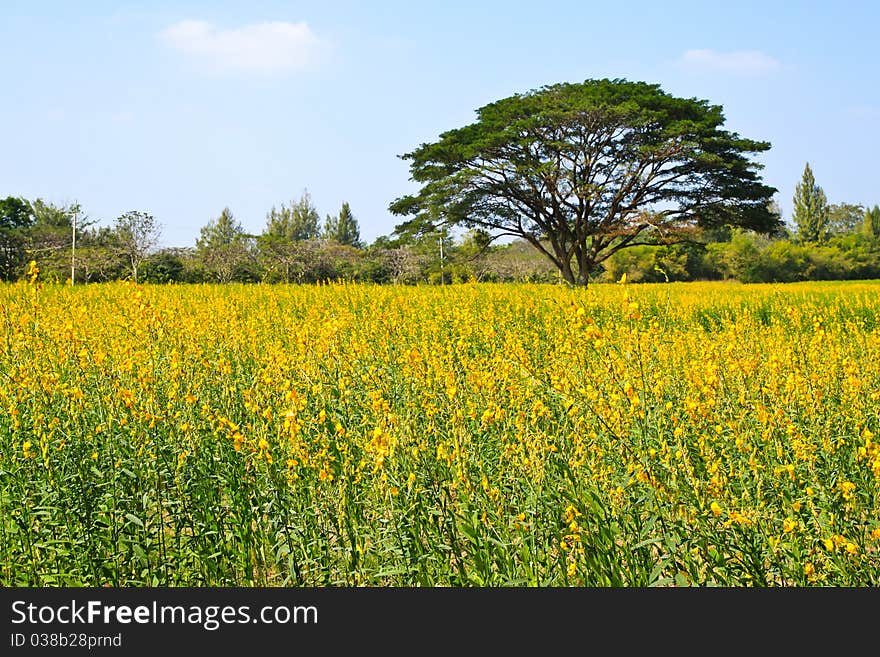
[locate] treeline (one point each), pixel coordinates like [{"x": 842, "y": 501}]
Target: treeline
[
  {"x": 296, "y": 246},
  {"x": 839, "y": 241}
]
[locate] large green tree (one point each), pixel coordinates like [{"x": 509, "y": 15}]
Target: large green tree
[
  {"x": 343, "y": 228},
  {"x": 581, "y": 171},
  {"x": 810, "y": 211}
]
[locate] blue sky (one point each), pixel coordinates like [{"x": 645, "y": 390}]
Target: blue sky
[{"x": 179, "y": 108}]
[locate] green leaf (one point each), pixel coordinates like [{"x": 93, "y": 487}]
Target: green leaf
[{"x": 133, "y": 518}]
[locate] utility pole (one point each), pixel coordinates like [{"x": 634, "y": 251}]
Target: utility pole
[{"x": 73, "y": 253}]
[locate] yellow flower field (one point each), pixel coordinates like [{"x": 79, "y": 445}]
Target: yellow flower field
[{"x": 467, "y": 435}]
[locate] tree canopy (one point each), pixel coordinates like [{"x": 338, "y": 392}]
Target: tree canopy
[
  {"x": 16, "y": 215},
  {"x": 136, "y": 235},
  {"x": 810, "y": 212},
  {"x": 297, "y": 221},
  {"x": 872, "y": 221},
  {"x": 223, "y": 246},
  {"x": 343, "y": 227},
  {"x": 581, "y": 171}
]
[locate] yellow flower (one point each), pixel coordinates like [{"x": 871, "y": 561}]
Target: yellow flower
[
  {"x": 716, "y": 509},
  {"x": 789, "y": 525},
  {"x": 32, "y": 271},
  {"x": 846, "y": 488}
]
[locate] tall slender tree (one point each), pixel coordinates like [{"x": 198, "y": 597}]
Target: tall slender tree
[
  {"x": 872, "y": 221},
  {"x": 343, "y": 227},
  {"x": 810, "y": 213}
]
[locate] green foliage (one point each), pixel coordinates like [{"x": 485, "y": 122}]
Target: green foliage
[
  {"x": 581, "y": 171},
  {"x": 49, "y": 215},
  {"x": 844, "y": 218},
  {"x": 752, "y": 259},
  {"x": 16, "y": 216},
  {"x": 225, "y": 250},
  {"x": 220, "y": 232},
  {"x": 15, "y": 213},
  {"x": 163, "y": 267},
  {"x": 871, "y": 225},
  {"x": 810, "y": 212},
  {"x": 295, "y": 222},
  {"x": 49, "y": 238},
  {"x": 343, "y": 228},
  {"x": 648, "y": 264},
  {"x": 136, "y": 234},
  {"x": 735, "y": 259}
]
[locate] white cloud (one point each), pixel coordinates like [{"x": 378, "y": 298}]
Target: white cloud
[
  {"x": 744, "y": 62},
  {"x": 263, "y": 48}
]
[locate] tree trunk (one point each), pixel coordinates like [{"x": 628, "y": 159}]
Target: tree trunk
[
  {"x": 567, "y": 273},
  {"x": 585, "y": 268},
  {"x": 564, "y": 265}
]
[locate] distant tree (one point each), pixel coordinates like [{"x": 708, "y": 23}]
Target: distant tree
[
  {"x": 871, "y": 222},
  {"x": 99, "y": 257},
  {"x": 15, "y": 213},
  {"x": 137, "y": 234},
  {"x": 844, "y": 218},
  {"x": 516, "y": 262},
  {"x": 581, "y": 171},
  {"x": 47, "y": 214},
  {"x": 648, "y": 264},
  {"x": 404, "y": 264},
  {"x": 278, "y": 257},
  {"x": 295, "y": 222},
  {"x": 285, "y": 247},
  {"x": 810, "y": 213},
  {"x": 16, "y": 216},
  {"x": 163, "y": 267},
  {"x": 343, "y": 228},
  {"x": 223, "y": 247},
  {"x": 50, "y": 237}
]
